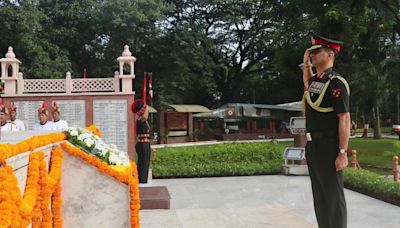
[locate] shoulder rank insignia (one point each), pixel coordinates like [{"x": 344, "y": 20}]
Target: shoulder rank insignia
[{"x": 336, "y": 93}]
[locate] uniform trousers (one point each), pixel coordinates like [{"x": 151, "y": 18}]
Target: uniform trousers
[
  {"x": 327, "y": 184},
  {"x": 143, "y": 161}
]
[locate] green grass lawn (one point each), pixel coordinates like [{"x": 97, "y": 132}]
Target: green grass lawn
[
  {"x": 386, "y": 130},
  {"x": 375, "y": 152}
]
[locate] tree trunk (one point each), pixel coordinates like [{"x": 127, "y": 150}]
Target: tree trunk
[
  {"x": 377, "y": 127},
  {"x": 366, "y": 119}
]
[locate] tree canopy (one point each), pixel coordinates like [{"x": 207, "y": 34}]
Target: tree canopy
[{"x": 210, "y": 52}]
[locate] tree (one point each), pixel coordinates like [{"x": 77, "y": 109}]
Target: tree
[{"x": 22, "y": 28}]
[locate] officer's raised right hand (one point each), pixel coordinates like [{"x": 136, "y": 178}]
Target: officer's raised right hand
[{"x": 306, "y": 59}]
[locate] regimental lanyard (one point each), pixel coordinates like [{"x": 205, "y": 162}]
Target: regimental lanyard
[{"x": 316, "y": 88}]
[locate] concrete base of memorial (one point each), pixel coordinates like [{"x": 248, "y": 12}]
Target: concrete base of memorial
[
  {"x": 299, "y": 170},
  {"x": 91, "y": 199},
  {"x": 13, "y": 137}
]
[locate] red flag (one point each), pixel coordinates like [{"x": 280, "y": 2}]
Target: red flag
[
  {"x": 144, "y": 88},
  {"x": 151, "y": 88}
]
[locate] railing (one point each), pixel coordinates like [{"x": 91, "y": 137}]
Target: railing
[
  {"x": 43, "y": 85},
  {"x": 68, "y": 85},
  {"x": 93, "y": 85}
]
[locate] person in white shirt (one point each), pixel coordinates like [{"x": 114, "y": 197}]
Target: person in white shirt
[
  {"x": 13, "y": 118},
  {"x": 61, "y": 125},
  {"x": 3, "y": 120},
  {"x": 44, "y": 124}
]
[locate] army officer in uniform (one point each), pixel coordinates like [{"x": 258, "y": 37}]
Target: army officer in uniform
[
  {"x": 326, "y": 99},
  {"x": 142, "y": 147}
]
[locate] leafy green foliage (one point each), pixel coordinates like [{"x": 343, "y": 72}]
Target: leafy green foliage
[
  {"x": 210, "y": 52},
  {"x": 218, "y": 160},
  {"x": 373, "y": 183}
]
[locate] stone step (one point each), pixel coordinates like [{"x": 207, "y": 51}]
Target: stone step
[{"x": 154, "y": 197}]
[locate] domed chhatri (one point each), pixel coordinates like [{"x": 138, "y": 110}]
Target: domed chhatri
[
  {"x": 126, "y": 52},
  {"x": 10, "y": 53}
]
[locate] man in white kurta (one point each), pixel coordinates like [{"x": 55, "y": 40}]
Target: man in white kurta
[
  {"x": 44, "y": 123},
  {"x": 13, "y": 118},
  {"x": 3, "y": 120},
  {"x": 61, "y": 125}
]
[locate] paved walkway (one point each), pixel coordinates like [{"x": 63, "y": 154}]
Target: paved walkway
[{"x": 257, "y": 201}]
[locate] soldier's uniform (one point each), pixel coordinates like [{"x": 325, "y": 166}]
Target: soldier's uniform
[
  {"x": 6, "y": 126},
  {"x": 327, "y": 96},
  {"x": 20, "y": 126},
  {"x": 142, "y": 141},
  {"x": 48, "y": 126},
  {"x": 61, "y": 125}
]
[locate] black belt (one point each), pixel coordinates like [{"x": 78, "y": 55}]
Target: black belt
[{"x": 316, "y": 135}]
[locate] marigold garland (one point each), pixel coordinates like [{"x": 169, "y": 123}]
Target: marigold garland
[
  {"x": 34, "y": 205},
  {"x": 8, "y": 150},
  {"x": 128, "y": 177},
  {"x": 94, "y": 130},
  {"x": 7, "y": 206},
  {"x": 43, "y": 187},
  {"x": 32, "y": 187}
]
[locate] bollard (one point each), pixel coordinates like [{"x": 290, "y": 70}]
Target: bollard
[
  {"x": 354, "y": 159},
  {"x": 395, "y": 168},
  {"x": 154, "y": 153}
]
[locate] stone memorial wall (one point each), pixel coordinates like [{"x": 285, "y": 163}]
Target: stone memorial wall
[
  {"x": 27, "y": 112},
  {"x": 110, "y": 116},
  {"x": 74, "y": 111},
  {"x": 104, "y": 102}
]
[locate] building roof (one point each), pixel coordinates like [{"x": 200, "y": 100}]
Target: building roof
[
  {"x": 292, "y": 106},
  {"x": 151, "y": 109},
  {"x": 189, "y": 108},
  {"x": 249, "y": 110}
]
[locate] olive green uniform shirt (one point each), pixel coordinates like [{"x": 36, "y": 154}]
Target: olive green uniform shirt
[{"x": 336, "y": 96}]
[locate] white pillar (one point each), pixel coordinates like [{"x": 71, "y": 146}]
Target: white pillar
[
  {"x": 68, "y": 82},
  {"x": 126, "y": 79},
  {"x": 10, "y": 81}
]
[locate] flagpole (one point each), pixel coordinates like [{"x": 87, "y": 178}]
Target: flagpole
[{"x": 151, "y": 99}]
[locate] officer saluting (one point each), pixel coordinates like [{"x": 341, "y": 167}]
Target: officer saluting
[
  {"x": 139, "y": 107},
  {"x": 326, "y": 99}
]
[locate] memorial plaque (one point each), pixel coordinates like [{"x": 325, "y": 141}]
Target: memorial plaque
[
  {"x": 176, "y": 121},
  {"x": 73, "y": 111},
  {"x": 27, "y": 112},
  {"x": 294, "y": 153},
  {"x": 110, "y": 116}
]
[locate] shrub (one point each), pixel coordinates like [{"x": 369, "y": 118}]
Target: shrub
[
  {"x": 372, "y": 184},
  {"x": 218, "y": 160}
]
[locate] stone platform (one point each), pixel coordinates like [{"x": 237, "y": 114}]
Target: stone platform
[{"x": 154, "y": 197}]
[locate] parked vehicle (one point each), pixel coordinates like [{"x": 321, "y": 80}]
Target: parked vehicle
[{"x": 396, "y": 129}]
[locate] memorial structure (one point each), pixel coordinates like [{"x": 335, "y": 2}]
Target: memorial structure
[
  {"x": 101, "y": 101},
  {"x": 46, "y": 181}
]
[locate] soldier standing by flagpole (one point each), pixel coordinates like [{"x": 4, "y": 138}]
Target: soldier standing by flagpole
[{"x": 142, "y": 130}]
